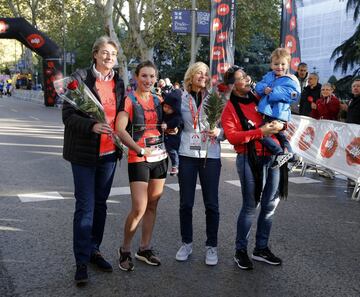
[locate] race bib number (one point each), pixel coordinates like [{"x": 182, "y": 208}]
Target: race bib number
[
  {"x": 157, "y": 146},
  {"x": 195, "y": 141}
]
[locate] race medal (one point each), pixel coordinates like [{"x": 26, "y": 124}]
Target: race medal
[{"x": 195, "y": 141}]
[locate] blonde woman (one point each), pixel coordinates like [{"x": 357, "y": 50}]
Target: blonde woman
[{"x": 192, "y": 151}]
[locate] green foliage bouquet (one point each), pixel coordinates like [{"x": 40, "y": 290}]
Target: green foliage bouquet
[
  {"x": 79, "y": 96},
  {"x": 213, "y": 108}
]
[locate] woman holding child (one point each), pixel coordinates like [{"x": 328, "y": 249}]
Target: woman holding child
[{"x": 244, "y": 128}]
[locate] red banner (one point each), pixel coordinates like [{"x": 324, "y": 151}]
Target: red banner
[
  {"x": 222, "y": 26},
  {"x": 289, "y": 32}
]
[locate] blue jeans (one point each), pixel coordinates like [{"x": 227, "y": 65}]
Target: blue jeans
[
  {"x": 92, "y": 188},
  {"x": 189, "y": 169},
  {"x": 174, "y": 156},
  {"x": 274, "y": 147},
  {"x": 268, "y": 203}
]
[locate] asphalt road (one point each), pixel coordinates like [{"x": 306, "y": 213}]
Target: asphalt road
[{"x": 316, "y": 231}]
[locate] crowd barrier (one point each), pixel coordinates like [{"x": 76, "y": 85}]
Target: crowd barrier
[
  {"x": 29, "y": 95},
  {"x": 333, "y": 145}
]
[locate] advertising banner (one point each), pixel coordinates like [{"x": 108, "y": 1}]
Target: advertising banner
[
  {"x": 222, "y": 46},
  {"x": 289, "y": 32},
  {"x": 334, "y": 145}
]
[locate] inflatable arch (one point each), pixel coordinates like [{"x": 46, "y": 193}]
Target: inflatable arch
[{"x": 23, "y": 31}]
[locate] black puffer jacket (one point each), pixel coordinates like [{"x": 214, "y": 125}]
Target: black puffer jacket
[
  {"x": 353, "y": 114},
  {"x": 307, "y": 95},
  {"x": 81, "y": 145}
]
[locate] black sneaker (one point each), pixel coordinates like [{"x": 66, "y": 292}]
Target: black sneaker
[
  {"x": 241, "y": 258},
  {"x": 97, "y": 259},
  {"x": 265, "y": 255},
  {"x": 148, "y": 257},
  {"x": 125, "y": 261},
  {"x": 81, "y": 276}
]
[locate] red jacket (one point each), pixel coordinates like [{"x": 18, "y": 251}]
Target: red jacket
[
  {"x": 234, "y": 131},
  {"x": 326, "y": 108}
]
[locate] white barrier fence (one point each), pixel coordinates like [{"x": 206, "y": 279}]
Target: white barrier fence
[{"x": 334, "y": 145}]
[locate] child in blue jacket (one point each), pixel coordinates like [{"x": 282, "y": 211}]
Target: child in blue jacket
[{"x": 278, "y": 90}]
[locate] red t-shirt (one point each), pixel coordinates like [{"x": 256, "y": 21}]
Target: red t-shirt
[{"x": 108, "y": 100}]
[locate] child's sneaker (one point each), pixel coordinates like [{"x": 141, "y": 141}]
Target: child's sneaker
[
  {"x": 174, "y": 171},
  {"x": 281, "y": 159}
]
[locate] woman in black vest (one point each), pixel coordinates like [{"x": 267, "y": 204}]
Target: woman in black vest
[{"x": 138, "y": 127}]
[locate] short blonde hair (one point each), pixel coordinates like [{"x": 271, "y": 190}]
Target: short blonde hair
[
  {"x": 102, "y": 41},
  {"x": 190, "y": 72},
  {"x": 281, "y": 53}
]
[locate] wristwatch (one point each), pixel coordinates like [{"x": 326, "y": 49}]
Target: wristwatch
[{"x": 141, "y": 153}]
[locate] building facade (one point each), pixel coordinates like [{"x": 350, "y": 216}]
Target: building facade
[{"x": 322, "y": 26}]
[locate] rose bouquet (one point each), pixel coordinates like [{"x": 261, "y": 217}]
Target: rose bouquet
[{"x": 78, "y": 95}]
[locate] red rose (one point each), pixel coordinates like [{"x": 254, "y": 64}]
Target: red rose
[
  {"x": 73, "y": 85},
  {"x": 310, "y": 99},
  {"x": 222, "y": 88},
  {"x": 353, "y": 152},
  {"x": 329, "y": 144}
]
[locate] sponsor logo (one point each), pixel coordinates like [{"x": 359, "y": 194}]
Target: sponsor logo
[
  {"x": 222, "y": 67},
  {"x": 216, "y": 25},
  {"x": 329, "y": 144},
  {"x": 307, "y": 138},
  {"x": 292, "y": 23},
  {"x": 353, "y": 152},
  {"x": 290, "y": 130},
  {"x": 290, "y": 43},
  {"x": 35, "y": 40},
  {"x": 288, "y": 6},
  {"x": 223, "y": 9},
  {"x": 218, "y": 53},
  {"x": 295, "y": 61},
  {"x": 221, "y": 37}
]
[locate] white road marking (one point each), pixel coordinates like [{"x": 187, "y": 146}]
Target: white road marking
[
  {"x": 44, "y": 196},
  {"x": 7, "y": 228},
  {"x": 14, "y": 110},
  {"x": 303, "y": 180},
  {"x": 176, "y": 187},
  {"x": 120, "y": 191},
  {"x": 234, "y": 182},
  {"x": 37, "y": 119}
]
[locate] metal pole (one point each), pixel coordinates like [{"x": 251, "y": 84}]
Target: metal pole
[
  {"x": 64, "y": 45},
  {"x": 193, "y": 31}
]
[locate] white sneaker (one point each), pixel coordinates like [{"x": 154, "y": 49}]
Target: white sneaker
[
  {"x": 184, "y": 252},
  {"x": 211, "y": 257}
]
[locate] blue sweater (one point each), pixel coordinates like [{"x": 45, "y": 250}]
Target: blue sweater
[{"x": 285, "y": 91}]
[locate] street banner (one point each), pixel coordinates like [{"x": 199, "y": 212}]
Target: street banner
[
  {"x": 331, "y": 144},
  {"x": 289, "y": 32},
  {"x": 181, "y": 22},
  {"x": 221, "y": 37}
]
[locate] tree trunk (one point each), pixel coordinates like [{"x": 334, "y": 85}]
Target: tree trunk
[{"x": 108, "y": 9}]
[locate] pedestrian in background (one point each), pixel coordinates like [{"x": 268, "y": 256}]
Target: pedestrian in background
[
  {"x": 310, "y": 95},
  {"x": 147, "y": 165},
  {"x": 302, "y": 75},
  {"x": 244, "y": 128},
  {"x": 93, "y": 156},
  {"x": 192, "y": 163},
  {"x": 327, "y": 107}
]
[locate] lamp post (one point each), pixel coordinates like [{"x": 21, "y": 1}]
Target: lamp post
[
  {"x": 64, "y": 45},
  {"x": 193, "y": 31}
]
